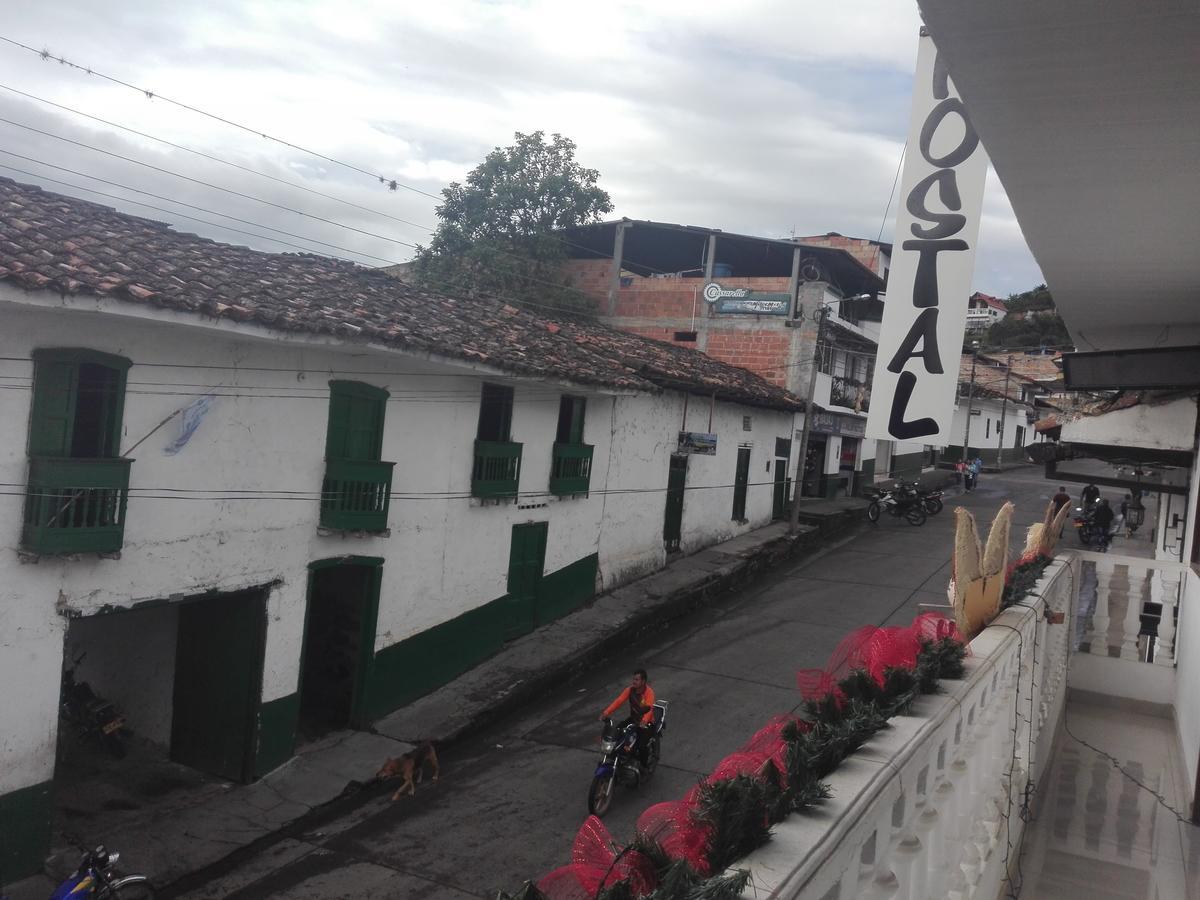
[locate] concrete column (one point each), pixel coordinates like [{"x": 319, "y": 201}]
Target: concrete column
[
  {"x": 614, "y": 278},
  {"x": 709, "y": 258}
]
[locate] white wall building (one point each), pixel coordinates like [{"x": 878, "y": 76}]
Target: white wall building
[
  {"x": 273, "y": 495},
  {"x": 984, "y": 311}
]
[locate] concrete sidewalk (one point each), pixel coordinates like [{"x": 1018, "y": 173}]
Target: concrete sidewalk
[{"x": 179, "y": 826}]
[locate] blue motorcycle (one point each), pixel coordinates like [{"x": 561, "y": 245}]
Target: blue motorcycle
[
  {"x": 95, "y": 878},
  {"x": 619, "y": 763}
]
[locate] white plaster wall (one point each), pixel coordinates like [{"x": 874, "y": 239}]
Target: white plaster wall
[
  {"x": 1166, "y": 426},
  {"x": 986, "y": 438},
  {"x": 446, "y": 553},
  {"x": 1187, "y": 676}
]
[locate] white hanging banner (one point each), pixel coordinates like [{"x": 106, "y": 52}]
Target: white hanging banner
[{"x": 933, "y": 257}]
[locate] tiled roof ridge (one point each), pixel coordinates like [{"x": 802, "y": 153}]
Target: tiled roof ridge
[{"x": 51, "y": 241}]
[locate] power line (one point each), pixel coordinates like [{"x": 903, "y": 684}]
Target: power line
[
  {"x": 80, "y": 187},
  {"x": 217, "y": 159},
  {"x": 391, "y": 183},
  {"x": 207, "y": 184}
]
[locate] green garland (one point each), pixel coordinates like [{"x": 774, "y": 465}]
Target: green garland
[
  {"x": 1021, "y": 579},
  {"x": 741, "y": 810}
]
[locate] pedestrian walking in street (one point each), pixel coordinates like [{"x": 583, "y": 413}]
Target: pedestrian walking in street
[
  {"x": 960, "y": 472},
  {"x": 976, "y": 466},
  {"x": 1061, "y": 499},
  {"x": 1090, "y": 495},
  {"x": 1103, "y": 517}
]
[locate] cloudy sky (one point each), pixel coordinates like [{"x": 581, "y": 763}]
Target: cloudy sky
[{"x": 757, "y": 117}]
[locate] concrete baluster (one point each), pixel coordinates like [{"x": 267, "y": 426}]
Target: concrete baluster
[
  {"x": 1165, "y": 589},
  {"x": 1098, "y": 636},
  {"x": 1133, "y": 612}
]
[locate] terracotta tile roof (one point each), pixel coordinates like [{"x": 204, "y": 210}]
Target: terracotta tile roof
[
  {"x": 990, "y": 378},
  {"x": 1037, "y": 366},
  {"x": 987, "y": 299},
  {"x": 58, "y": 243}
]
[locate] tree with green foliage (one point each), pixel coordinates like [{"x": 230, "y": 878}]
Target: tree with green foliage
[
  {"x": 497, "y": 231},
  {"x": 1041, "y": 325}
]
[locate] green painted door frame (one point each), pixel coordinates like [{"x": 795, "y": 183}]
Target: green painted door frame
[
  {"x": 526, "y": 566},
  {"x": 218, "y": 683},
  {"x": 673, "y": 517},
  {"x": 359, "y": 715}
]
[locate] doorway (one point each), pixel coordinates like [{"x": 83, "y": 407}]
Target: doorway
[
  {"x": 673, "y": 518},
  {"x": 847, "y": 466},
  {"x": 779, "y": 499},
  {"x": 526, "y": 566},
  {"x": 339, "y": 643},
  {"x": 814, "y": 467},
  {"x": 218, "y": 683}
]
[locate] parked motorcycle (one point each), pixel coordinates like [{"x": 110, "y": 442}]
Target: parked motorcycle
[
  {"x": 901, "y": 501},
  {"x": 91, "y": 715},
  {"x": 930, "y": 497},
  {"x": 618, "y": 761},
  {"x": 1090, "y": 533},
  {"x": 95, "y": 877}
]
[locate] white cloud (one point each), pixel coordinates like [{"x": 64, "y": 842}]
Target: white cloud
[{"x": 755, "y": 117}]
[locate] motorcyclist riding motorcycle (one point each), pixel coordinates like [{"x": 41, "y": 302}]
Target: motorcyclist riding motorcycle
[{"x": 640, "y": 696}]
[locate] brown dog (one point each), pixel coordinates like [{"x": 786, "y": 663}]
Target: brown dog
[{"x": 410, "y": 768}]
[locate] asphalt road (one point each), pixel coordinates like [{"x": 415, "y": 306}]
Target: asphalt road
[{"x": 511, "y": 799}]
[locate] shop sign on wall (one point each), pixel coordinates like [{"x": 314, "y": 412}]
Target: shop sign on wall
[
  {"x": 743, "y": 301},
  {"x": 697, "y": 443}
]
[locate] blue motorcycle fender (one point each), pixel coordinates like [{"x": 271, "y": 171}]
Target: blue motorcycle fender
[{"x": 603, "y": 770}]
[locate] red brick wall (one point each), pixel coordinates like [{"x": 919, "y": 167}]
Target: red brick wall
[
  {"x": 763, "y": 351},
  {"x": 860, "y": 248}
]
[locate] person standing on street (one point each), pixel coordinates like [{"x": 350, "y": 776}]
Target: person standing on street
[
  {"x": 1061, "y": 499},
  {"x": 1103, "y": 517},
  {"x": 960, "y": 469},
  {"x": 976, "y": 467},
  {"x": 1089, "y": 496}
]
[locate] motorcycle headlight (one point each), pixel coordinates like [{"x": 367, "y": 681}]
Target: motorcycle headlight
[{"x": 607, "y": 746}]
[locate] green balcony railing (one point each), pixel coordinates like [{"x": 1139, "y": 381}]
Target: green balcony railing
[
  {"x": 354, "y": 495},
  {"x": 497, "y": 469},
  {"x": 75, "y": 505},
  {"x": 571, "y": 469}
]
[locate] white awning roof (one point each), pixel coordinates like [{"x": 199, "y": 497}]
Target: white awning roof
[{"x": 1090, "y": 113}]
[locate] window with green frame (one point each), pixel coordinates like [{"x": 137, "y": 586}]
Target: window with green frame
[
  {"x": 356, "y": 414},
  {"x": 357, "y": 487},
  {"x": 495, "y": 413},
  {"x": 78, "y": 404},
  {"x": 570, "y": 419},
  {"x": 78, "y": 483}
]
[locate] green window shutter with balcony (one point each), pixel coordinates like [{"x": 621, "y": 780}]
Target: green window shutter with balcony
[
  {"x": 78, "y": 483},
  {"x": 53, "y": 413},
  {"x": 570, "y": 419},
  {"x": 356, "y": 413},
  {"x": 358, "y": 485}
]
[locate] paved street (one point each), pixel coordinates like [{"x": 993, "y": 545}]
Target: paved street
[{"x": 511, "y": 799}]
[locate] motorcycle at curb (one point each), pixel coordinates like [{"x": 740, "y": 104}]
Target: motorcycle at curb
[
  {"x": 618, "y": 760},
  {"x": 96, "y": 878},
  {"x": 899, "y": 501}
]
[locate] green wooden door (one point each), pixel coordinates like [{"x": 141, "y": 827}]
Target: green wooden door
[
  {"x": 741, "y": 480},
  {"x": 218, "y": 683},
  {"x": 673, "y": 519},
  {"x": 526, "y": 564},
  {"x": 779, "y": 508}
]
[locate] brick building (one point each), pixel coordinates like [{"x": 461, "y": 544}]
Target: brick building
[{"x": 754, "y": 302}]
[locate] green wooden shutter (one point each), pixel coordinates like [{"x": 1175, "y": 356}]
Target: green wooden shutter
[
  {"x": 579, "y": 404},
  {"x": 356, "y": 414},
  {"x": 53, "y": 413}
]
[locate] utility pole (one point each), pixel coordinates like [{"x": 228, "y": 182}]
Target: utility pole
[
  {"x": 970, "y": 402},
  {"x": 798, "y": 484},
  {"x": 1003, "y": 411}
]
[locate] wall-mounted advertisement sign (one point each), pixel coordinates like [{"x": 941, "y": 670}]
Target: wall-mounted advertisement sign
[
  {"x": 743, "y": 301},
  {"x": 697, "y": 443},
  {"x": 932, "y": 260}
]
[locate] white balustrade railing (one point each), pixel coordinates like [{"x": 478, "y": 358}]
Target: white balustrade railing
[
  {"x": 934, "y": 806},
  {"x": 1128, "y": 607}
]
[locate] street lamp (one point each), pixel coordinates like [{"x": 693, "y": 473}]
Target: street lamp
[{"x": 1135, "y": 512}]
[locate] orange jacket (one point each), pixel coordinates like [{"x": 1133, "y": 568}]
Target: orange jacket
[{"x": 647, "y": 702}]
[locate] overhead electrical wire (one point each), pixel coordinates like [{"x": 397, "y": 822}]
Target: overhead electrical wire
[{"x": 391, "y": 183}]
